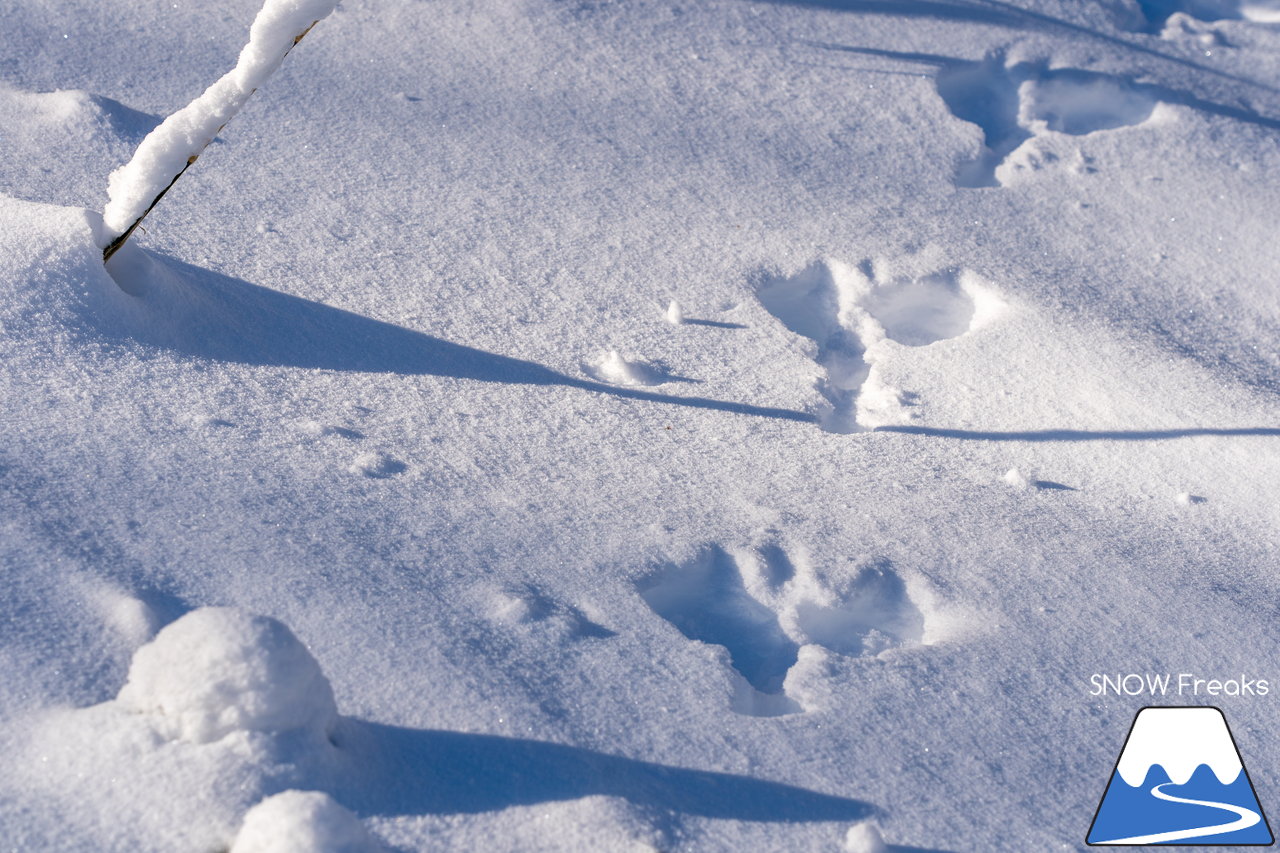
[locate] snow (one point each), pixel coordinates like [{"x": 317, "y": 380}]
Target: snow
[
  {"x": 864, "y": 838},
  {"x": 302, "y": 822},
  {"x": 218, "y": 670},
  {"x": 376, "y": 463},
  {"x": 372, "y": 467},
  {"x": 181, "y": 137},
  {"x": 613, "y": 368},
  {"x": 675, "y": 314},
  {"x": 1016, "y": 479}
]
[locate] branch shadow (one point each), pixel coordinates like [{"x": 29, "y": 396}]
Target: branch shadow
[
  {"x": 413, "y": 771},
  {"x": 1002, "y": 13},
  {"x": 1025, "y": 70},
  {"x": 197, "y": 312},
  {"x": 714, "y": 324},
  {"x": 938, "y": 9},
  {"x": 1005, "y": 14},
  {"x": 1079, "y": 435}
]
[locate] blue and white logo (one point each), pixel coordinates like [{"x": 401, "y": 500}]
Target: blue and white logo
[{"x": 1179, "y": 780}]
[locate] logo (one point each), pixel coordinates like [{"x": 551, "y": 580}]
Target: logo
[{"x": 1179, "y": 780}]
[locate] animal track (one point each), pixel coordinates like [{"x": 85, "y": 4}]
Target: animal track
[
  {"x": 763, "y": 607},
  {"x": 525, "y": 605},
  {"x": 818, "y": 305},
  {"x": 1156, "y": 13},
  {"x": 873, "y": 613},
  {"x": 1012, "y": 104},
  {"x": 848, "y": 311},
  {"x": 922, "y": 311},
  {"x": 707, "y": 600}
]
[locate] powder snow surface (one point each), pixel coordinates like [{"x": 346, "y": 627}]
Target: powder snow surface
[{"x": 374, "y": 494}]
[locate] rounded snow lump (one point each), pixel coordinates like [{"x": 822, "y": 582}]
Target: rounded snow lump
[
  {"x": 219, "y": 670},
  {"x": 302, "y": 822}
]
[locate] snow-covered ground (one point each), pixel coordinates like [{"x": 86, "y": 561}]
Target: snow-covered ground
[{"x": 972, "y": 390}]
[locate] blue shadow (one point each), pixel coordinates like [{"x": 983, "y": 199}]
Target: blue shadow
[
  {"x": 412, "y": 772},
  {"x": 235, "y": 321},
  {"x": 1078, "y": 435}
]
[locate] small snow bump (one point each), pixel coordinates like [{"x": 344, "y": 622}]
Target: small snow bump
[
  {"x": 863, "y": 838},
  {"x": 302, "y": 822},
  {"x": 1016, "y": 479},
  {"x": 1188, "y": 499},
  {"x": 616, "y": 370},
  {"x": 315, "y": 429},
  {"x": 203, "y": 420},
  {"x": 130, "y": 616},
  {"x": 376, "y": 464},
  {"x": 675, "y": 314}
]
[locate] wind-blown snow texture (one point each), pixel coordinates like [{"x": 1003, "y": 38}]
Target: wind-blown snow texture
[{"x": 973, "y": 395}]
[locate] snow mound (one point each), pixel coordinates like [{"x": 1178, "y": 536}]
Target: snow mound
[
  {"x": 616, "y": 370},
  {"x": 302, "y": 822},
  {"x": 218, "y": 670},
  {"x": 864, "y": 838},
  {"x": 1017, "y": 479},
  {"x": 376, "y": 464},
  {"x": 1261, "y": 11},
  {"x": 180, "y": 138}
]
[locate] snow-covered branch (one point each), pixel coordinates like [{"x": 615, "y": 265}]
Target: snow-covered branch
[{"x": 166, "y": 152}]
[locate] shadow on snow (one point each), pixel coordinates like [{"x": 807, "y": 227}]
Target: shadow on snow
[
  {"x": 412, "y": 771},
  {"x": 228, "y": 319}
]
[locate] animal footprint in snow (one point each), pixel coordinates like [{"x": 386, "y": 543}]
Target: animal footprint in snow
[
  {"x": 869, "y": 613},
  {"x": 849, "y": 312},
  {"x": 763, "y": 608},
  {"x": 820, "y": 303},
  {"x": 1022, "y": 102},
  {"x": 1174, "y": 19},
  {"x": 921, "y": 311},
  {"x": 527, "y": 608},
  {"x": 707, "y": 600}
]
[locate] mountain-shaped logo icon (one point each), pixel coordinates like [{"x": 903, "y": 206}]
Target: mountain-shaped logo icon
[{"x": 1179, "y": 780}]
